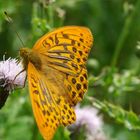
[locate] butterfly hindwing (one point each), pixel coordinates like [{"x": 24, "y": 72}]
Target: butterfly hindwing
[
  {"x": 49, "y": 106},
  {"x": 40, "y": 103}
]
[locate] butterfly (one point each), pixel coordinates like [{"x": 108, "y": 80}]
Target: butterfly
[{"x": 57, "y": 76}]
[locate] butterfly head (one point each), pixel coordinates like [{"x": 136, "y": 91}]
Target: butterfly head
[
  {"x": 29, "y": 55},
  {"x": 24, "y": 52}
]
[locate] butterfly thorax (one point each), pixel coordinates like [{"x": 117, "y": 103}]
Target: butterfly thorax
[{"x": 29, "y": 55}]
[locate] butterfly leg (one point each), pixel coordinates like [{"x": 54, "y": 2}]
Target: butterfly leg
[
  {"x": 25, "y": 81},
  {"x": 18, "y": 75}
]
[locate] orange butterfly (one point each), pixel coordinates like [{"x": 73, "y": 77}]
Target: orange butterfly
[{"x": 57, "y": 76}]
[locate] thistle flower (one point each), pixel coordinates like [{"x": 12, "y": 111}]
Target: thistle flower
[
  {"x": 11, "y": 77},
  {"x": 88, "y": 118}
]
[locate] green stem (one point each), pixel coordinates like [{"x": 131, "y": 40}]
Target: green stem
[
  {"x": 124, "y": 34},
  {"x": 35, "y": 132},
  {"x": 51, "y": 16},
  {"x": 137, "y": 69}
]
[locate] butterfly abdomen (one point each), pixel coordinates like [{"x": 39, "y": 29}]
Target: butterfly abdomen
[{"x": 30, "y": 55}]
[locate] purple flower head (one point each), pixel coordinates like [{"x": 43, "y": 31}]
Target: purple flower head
[
  {"x": 11, "y": 77},
  {"x": 88, "y": 118}
]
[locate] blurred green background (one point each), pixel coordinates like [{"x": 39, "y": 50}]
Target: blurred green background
[{"x": 113, "y": 65}]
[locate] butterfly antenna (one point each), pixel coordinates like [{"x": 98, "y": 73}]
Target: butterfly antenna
[{"x": 9, "y": 19}]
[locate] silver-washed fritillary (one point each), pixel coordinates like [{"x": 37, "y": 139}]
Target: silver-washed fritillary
[{"x": 57, "y": 76}]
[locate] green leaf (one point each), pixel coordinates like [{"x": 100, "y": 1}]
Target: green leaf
[
  {"x": 128, "y": 118},
  {"x": 61, "y": 133}
]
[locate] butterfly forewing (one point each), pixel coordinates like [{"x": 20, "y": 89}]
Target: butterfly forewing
[{"x": 66, "y": 49}]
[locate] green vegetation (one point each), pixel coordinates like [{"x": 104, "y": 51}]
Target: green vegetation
[{"x": 113, "y": 65}]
